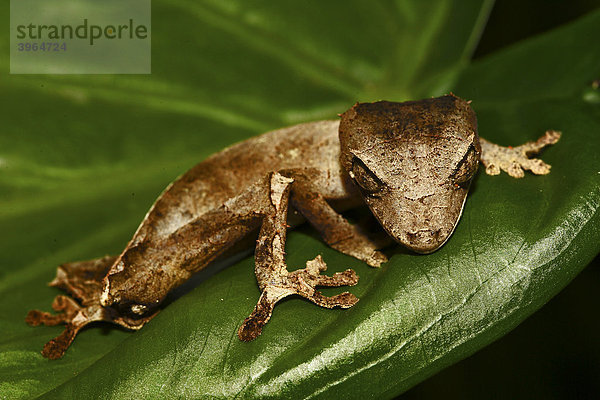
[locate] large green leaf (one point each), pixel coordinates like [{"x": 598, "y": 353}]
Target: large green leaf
[{"x": 82, "y": 157}]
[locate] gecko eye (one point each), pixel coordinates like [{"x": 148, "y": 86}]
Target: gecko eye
[
  {"x": 364, "y": 177},
  {"x": 467, "y": 167}
]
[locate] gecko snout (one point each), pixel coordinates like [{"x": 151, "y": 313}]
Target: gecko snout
[
  {"x": 424, "y": 240},
  {"x": 421, "y": 226}
]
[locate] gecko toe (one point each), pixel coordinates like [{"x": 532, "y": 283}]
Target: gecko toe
[
  {"x": 342, "y": 300},
  {"x": 37, "y": 318},
  {"x": 538, "y": 167},
  {"x": 34, "y": 317},
  {"x": 492, "y": 169},
  {"x": 56, "y": 347},
  {"x": 515, "y": 170},
  {"x": 250, "y": 329},
  {"x": 376, "y": 259}
]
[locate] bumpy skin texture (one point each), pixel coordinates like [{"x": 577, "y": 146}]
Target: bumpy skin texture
[
  {"x": 411, "y": 163},
  {"x": 415, "y": 161}
]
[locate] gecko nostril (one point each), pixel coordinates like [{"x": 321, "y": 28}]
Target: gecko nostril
[
  {"x": 424, "y": 236},
  {"x": 424, "y": 240},
  {"x": 419, "y": 235}
]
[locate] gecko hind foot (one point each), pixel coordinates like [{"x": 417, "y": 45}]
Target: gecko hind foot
[
  {"x": 70, "y": 311},
  {"x": 301, "y": 282},
  {"x": 83, "y": 281}
]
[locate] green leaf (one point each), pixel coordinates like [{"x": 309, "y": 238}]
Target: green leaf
[{"x": 83, "y": 157}]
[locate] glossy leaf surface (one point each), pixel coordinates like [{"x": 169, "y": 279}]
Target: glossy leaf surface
[{"x": 83, "y": 157}]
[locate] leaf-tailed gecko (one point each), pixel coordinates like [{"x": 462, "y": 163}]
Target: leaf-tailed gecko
[{"x": 411, "y": 163}]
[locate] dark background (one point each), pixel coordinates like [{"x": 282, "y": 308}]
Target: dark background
[{"x": 555, "y": 353}]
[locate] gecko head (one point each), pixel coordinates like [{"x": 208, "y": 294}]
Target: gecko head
[
  {"x": 413, "y": 163},
  {"x": 132, "y": 286}
]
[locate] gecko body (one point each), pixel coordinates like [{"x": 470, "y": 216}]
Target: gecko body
[{"x": 411, "y": 163}]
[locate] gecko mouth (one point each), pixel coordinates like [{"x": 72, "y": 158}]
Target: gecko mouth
[
  {"x": 427, "y": 240},
  {"x": 418, "y": 235},
  {"x": 424, "y": 241}
]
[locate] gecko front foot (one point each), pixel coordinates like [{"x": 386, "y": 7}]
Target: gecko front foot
[
  {"x": 274, "y": 279},
  {"x": 513, "y": 160},
  {"x": 301, "y": 282}
]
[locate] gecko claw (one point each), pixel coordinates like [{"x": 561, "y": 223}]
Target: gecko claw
[{"x": 250, "y": 329}]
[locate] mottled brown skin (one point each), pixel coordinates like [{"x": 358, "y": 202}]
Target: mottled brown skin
[
  {"x": 414, "y": 162},
  {"x": 411, "y": 163}
]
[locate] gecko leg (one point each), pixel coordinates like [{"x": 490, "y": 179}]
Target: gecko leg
[
  {"x": 513, "y": 160},
  {"x": 335, "y": 230},
  {"x": 83, "y": 281},
  {"x": 274, "y": 280}
]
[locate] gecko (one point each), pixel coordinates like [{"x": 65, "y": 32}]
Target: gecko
[{"x": 411, "y": 163}]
